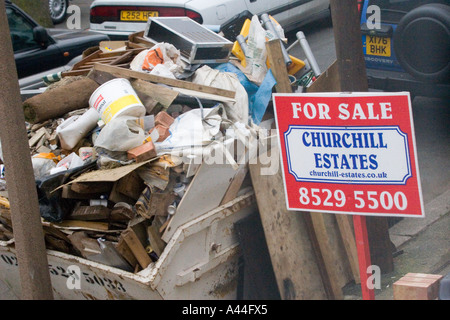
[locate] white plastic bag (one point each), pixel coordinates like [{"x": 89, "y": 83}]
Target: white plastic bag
[
  {"x": 171, "y": 59},
  {"x": 120, "y": 134},
  {"x": 73, "y": 129},
  {"x": 236, "y": 111},
  {"x": 256, "y": 54},
  {"x": 69, "y": 162},
  {"x": 163, "y": 71},
  {"x": 42, "y": 166},
  {"x": 191, "y": 131}
]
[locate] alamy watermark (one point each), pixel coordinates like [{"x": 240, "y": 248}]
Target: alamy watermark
[
  {"x": 73, "y": 277},
  {"x": 73, "y": 17},
  {"x": 373, "y": 17},
  {"x": 374, "y": 280}
]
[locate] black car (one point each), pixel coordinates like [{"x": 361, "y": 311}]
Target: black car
[
  {"x": 37, "y": 49},
  {"x": 410, "y": 48}
]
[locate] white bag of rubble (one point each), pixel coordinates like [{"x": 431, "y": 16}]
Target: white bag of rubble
[
  {"x": 168, "y": 55},
  {"x": 192, "y": 131},
  {"x": 236, "y": 111},
  {"x": 120, "y": 134}
]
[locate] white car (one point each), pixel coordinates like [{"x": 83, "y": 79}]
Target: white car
[{"x": 119, "y": 18}]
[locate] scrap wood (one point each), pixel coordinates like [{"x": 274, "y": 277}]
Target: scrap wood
[
  {"x": 131, "y": 185},
  {"x": 116, "y": 196},
  {"x": 59, "y": 101},
  {"x": 125, "y": 251},
  {"x": 139, "y": 39},
  {"x": 154, "y": 237},
  {"x": 68, "y": 193},
  {"x": 6, "y": 232},
  {"x": 121, "y": 72},
  {"x": 57, "y": 240},
  {"x": 85, "y": 245},
  {"x": 40, "y": 133},
  {"x": 106, "y": 175},
  {"x": 81, "y": 225},
  {"x": 136, "y": 247},
  {"x": 118, "y": 57},
  {"x": 154, "y": 175},
  {"x": 163, "y": 95},
  {"x": 121, "y": 213},
  {"x": 91, "y": 187},
  {"x": 90, "y": 213}
]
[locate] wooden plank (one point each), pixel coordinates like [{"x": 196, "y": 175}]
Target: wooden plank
[
  {"x": 278, "y": 66},
  {"x": 73, "y": 73},
  {"x": 125, "y": 251},
  {"x": 348, "y": 239},
  {"x": 85, "y": 245},
  {"x": 115, "y": 196},
  {"x": 134, "y": 45},
  {"x": 91, "y": 187},
  {"x": 82, "y": 225},
  {"x": 90, "y": 57},
  {"x": 136, "y": 247},
  {"x": 89, "y": 213},
  {"x": 121, "y": 72},
  {"x": 105, "y": 59},
  {"x": 121, "y": 213},
  {"x": 42, "y": 132},
  {"x": 126, "y": 57},
  {"x": 293, "y": 258},
  {"x": 100, "y": 77},
  {"x": 159, "y": 201},
  {"x": 329, "y": 251},
  {"x": 67, "y": 193},
  {"x": 163, "y": 95},
  {"x": 318, "y": 254},
  {"x": 154, "y": 237},
  {"x": 236, "y": 184},
  {"x": 131, "y": 186},
  {"x": 328, "y": 81}
]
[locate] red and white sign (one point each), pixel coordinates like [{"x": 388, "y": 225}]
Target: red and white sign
[{"x": 349, "y": 153}]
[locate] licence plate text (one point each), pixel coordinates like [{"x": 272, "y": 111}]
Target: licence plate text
[
  {"x": 137, "y": 15},
  {"x": 378, "y": 46}
]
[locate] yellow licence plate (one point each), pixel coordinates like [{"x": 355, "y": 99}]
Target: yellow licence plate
[
  {"x": 378, "y": 46},
  {"x": 137, "y": 15}
]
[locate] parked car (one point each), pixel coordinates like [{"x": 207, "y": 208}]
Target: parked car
[
  {"x": 118, "y": 18},
  {"x": 37, "y": 49},
  {"x": 410, "y": 50},
  {"x": 58, "y": 10}
]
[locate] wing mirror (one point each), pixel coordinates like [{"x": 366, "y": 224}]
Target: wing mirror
[{"x": 41, "y": 36}]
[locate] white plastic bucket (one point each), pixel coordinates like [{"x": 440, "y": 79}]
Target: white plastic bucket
[{"x": 116, "y": 97}]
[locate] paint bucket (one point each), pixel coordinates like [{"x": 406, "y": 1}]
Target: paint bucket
[{"x": 116, "y": 98}]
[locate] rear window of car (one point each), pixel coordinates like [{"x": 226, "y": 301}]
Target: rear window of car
[{"x": 393, "y": 10}]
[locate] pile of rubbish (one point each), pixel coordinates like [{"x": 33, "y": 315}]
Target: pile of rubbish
[{"x": 116, "y": 143}]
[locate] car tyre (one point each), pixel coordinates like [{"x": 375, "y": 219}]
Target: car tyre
[
  {"x": 58, "y": 10},
  {"x": 422, "y": 43}
]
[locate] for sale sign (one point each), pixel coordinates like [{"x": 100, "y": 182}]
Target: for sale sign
[{"x": 349, "y": 153}]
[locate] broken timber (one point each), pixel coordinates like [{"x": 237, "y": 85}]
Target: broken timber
[{"x": 122, "y": 72}]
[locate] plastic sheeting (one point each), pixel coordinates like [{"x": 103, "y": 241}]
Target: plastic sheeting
[{"x": 258, "y": 96}]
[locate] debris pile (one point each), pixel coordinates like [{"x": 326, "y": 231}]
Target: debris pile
[{"x": 117, "y": 142}]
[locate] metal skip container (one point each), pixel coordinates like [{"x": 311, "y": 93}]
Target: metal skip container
[{"x": 200, "y": 261}]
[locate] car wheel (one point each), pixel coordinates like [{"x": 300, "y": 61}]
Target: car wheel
[
  {"x": 58, "y": 10},
  {"x": 422, "y": 43}
]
